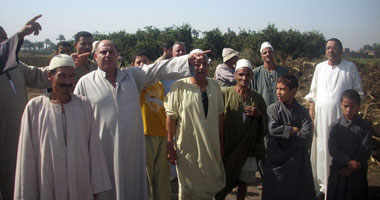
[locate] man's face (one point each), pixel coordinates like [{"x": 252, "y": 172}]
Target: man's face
[
  {"x": 169, "y": 52},
  {"x": 3, "y": 35},
  {"x": 333, "y": 51},
  {"x": 201, "y": 69},
  {"x": 243, "y": 76},
  {"x": 106, "y": 56},
  {"x": 284, "y": 94},
  {"x": 350, "y": 108},
  {"x": 64, "y": 50},
  {"x": 84, "y": 45},
  {"x": 267, "y": 55},
  {"x": 62, "y": 81},
  {"x": 179, "y": 50},
  {"x": 234, "y": 60},
  {"x": 140, "y": 61}
]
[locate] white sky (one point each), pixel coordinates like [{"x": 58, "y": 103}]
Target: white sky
[{"x": 354, "y": 22}]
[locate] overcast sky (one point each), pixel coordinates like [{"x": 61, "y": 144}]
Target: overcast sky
[{"x": 354, "y": 22}]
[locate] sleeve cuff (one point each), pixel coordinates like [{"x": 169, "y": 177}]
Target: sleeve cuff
[{"x": 287, "y": 132}]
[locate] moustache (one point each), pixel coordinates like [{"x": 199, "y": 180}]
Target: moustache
[{"x": 65, "y": 85}]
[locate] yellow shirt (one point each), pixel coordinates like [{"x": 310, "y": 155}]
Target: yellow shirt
[{"x": 152, "y": 109}]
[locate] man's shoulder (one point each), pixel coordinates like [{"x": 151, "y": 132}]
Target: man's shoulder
[
  {"x": 274, "y": 106},
  {"x": 282, "y": 69},
  {"x": 347, "y": 63},
  {"x": 92, "y": 65},
  {"x": 212, "y": 81},
  {"x": 89, "y": 76},
  {"x": 221, "y": 66},
  {"x": 38, "y": 101},
  {"x": 257, "y": 69}
]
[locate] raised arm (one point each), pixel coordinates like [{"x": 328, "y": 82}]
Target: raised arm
[
  {"x": 32, "y": 26},
  {"x": 175, "y": 68}
]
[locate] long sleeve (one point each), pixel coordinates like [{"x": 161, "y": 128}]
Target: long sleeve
[
  {"x": 26, "y": 181},
  {"x": 338, "y": 157},
  {"x": 276, "y": 127},
  {"x": 172, "y": 101},
  {"x": 366, "y": 146},
  {"x": 174, "y": 68},
  {"x": 8, "y": 53},
  {"x": 304, "y": 136},
  {"x": 311, "y": 96},
  {"x": 100, "y": 180},
  {"x": 357, "y": 83},
  {"x": 35, "y": 77}
]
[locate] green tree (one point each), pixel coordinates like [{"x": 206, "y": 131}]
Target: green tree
[{"x": 61, "y": 38}]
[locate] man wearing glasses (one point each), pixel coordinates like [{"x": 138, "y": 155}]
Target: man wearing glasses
[{"x": 330, "y": 79}]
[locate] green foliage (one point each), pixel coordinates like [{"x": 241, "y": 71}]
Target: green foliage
[{"x": 287, "y": 43}]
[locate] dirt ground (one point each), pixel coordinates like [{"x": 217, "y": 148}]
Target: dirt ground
[{"x": 253, "y": 193}]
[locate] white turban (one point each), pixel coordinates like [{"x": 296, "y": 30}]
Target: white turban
[
  {"x": 243, "y": 63},
  {"x": 61, "y": 60},
  {"x": 265, "y": 45}
]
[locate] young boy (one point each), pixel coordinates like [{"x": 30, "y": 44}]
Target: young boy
[
  {"x": 287, "y": 170},
  {"x": 153, "y": 114},
  {"x": 349, "y": 146}
]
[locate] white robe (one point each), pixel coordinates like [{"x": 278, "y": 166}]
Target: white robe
[
  {"x": 117, "y": 111},
  {"x": 59, "y": 153},
  {"x": 13, "y": 98},
  {"x": 327, "y": 86}
]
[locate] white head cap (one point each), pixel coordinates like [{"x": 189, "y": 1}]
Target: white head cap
[
  {"x": 265, "y": 45},
  {"x": 196, "y": 51},
  {"x": 243, "y": 63},
  {"x": 229, "y": 53},
  {"x": 61, "y": 60},
  {"x": 94, "y": 45}
]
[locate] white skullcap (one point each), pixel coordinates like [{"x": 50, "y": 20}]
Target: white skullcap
[
  {"x": 94, "y": 45},
  {"x": 61, "y": 60},
  {"x": 265, "y": 45},
  {"x": 196, "y": 51},
  {"x": 229, "y": 53},
  {"x": 243, "y": 63}
]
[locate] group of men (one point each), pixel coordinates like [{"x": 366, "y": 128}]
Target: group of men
[{"x": 110, "y": 138}]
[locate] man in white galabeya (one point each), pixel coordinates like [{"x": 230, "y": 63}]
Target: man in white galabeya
[{"x": 330, "y": 79}]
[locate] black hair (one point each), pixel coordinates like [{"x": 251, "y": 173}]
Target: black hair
[
  {"x": 167, "y": 45},
  {"x": 140, "y": 53},
  {"x": 352, "y": 95},
  {"x": 82, "y": 34},
  {"x": 337, "y": 41},
  {"x": 288, "y": 80},
  {"x": 64, "y": 44}
]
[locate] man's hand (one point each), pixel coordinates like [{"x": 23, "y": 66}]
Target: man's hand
[
  {"x": 30, "y": 27},
  {"x": 295, "y": 130},
  {"x": 345, "y": 171},
  {"x": 252, "y": 111},
  {"x": 197, "y": 57},
  {"x": 312, "y": 110},
  {"x": 80, "y": 59},
  {"x": 353, "y": 165},
  {"x": 171, "y": 154}
]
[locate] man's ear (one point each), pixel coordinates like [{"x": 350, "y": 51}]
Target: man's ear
[{"x": 49, "y": 75}]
